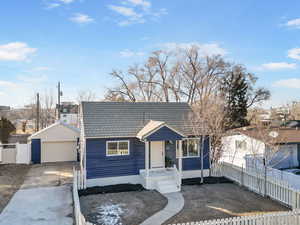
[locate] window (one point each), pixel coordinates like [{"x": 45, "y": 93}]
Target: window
[
  {"x": 241, "y": 145},
  {"x": 115, "y": 148},
  {"x": 190, "y": 148}
]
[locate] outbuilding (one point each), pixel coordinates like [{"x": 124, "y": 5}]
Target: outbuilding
[{"x": 56, "y": 143}]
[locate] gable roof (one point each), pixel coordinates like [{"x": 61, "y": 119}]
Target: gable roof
[
  {"x": 54, "y": 125},
  {"x": 151, "y": 127},
  {"x": 285, "y": 135},
  {"x": 126, "y": 119}
]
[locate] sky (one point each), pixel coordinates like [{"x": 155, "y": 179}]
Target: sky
[{"x": 79, "y": 42}]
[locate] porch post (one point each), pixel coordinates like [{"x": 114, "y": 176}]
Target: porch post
[
  {"x": 147, "y": 158},
  {"x": 180, "y": 158}
]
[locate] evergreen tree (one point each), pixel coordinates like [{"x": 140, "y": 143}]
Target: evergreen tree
[
  {"x": 235, "y": 89},
  {"x": 6, "y": 128}
]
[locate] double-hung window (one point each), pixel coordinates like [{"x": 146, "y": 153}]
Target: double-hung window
[
  {"x": 117, "y": 148},
  {"x": 190, "y": 148}
]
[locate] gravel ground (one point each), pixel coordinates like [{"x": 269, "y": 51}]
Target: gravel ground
[
  {"x": 126, "y": 208},
  {"x": 214, "y": 201},
  {"x": 11, "y": 178}
]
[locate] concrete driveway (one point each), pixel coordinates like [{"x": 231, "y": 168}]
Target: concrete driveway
[{"x": 44, "y": 198}]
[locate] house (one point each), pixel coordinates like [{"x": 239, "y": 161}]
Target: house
[
  {"x": 55, "y": 143},
  {"x": 140, "y": 143},
  {"x": 247, "y": 143},
  {"x": 69, "y": 113}
]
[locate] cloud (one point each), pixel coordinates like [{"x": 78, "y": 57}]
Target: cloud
[
  {"x": 66, "y": 1},
  {"x": 41, "y": 68},
  {"x": 131, "y": 15},
  {"x": 128, "y": 53},
  {"x": 143, "y": 3},
  {"x": 295, "y": 23},
  {"x": 136, "y": 12},
  {"x": 32, "y": 79},
  {"x": 124, "y": 11},
  {"x": 207, "y": 49},
  {"x": 288, "y": 83},
  {"x": 294, "y": 53},
  {"x": 81, "y": 18},
  {"x": 16, "y": 51},
  {"x": 7, "y": 84},
  {"x": 52, "y": 5},
  {"x": 278, "y": 66}
]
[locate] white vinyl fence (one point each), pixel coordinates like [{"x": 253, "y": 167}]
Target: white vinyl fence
[
  {"x": 254, "y": 164},
  {"x": 15, "y": 153},
  {"x": 280, "y": 218},
  {"x": 77, "y": 185},
  {"x": 273, "y": 188}
]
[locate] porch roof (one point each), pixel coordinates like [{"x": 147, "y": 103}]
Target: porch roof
[{"x": 158, "y": 131}]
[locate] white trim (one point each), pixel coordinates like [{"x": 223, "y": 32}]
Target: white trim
[
  {"x": 194, "y": 173},
  {"x": 136, "y": 179},
  {"x": 187, "y": 157},
  {"x": 133, "y": 179},
  {"x": 163, "y": 155},
  {"x": 157, "y": 128},
  {"x": 118, "y": 141}
]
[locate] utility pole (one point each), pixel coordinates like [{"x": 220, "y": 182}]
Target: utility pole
[
  {"x": 37, "y": 112},
  {"x": 59, "y": 94}
]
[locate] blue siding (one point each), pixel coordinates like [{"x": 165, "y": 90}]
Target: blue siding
[
  {"x": 195, "y": 162},
  {"x": 164, "y": 133},
  {"x": 99, "y": 165},
  {"x": 36, "y": 151}
]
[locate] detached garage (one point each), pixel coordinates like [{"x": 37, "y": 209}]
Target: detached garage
[{"x": 56, "y": 143}]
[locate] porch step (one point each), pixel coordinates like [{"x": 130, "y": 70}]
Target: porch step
[{"x": 167, "y": 186}]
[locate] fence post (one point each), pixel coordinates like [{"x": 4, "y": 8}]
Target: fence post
[{"x": 242, "y": 178}]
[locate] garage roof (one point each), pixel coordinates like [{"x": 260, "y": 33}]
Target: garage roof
[{"x": 58, "y": 123}]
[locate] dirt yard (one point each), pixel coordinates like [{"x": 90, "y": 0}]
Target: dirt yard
[
  {"x": 126, "y": 208},
  {"x": 11, "y": 178},
  {"x": 214, "y": 201}
]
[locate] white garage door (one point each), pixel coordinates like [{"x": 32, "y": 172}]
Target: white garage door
[{"x": 58, "y": 151}]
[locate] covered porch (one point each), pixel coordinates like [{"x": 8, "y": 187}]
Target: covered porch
[{"x": 163, "y": 166}]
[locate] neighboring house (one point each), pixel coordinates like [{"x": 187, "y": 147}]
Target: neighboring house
[
  {"x": 69, "y": 113},
  {"x": 55, "y": 143},
  {"x": 141, "y": 143},
  {"x": 245, "y": 143}
]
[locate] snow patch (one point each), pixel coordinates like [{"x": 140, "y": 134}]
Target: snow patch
[{"x": 110, "y": 214}]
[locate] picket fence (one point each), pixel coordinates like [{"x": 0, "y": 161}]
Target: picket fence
[
  {"x": 276, "y": 189},
  {"x": 77, "y": 185},
  {"x": 280, "y": 218}
]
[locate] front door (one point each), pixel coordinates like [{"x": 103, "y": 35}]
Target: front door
[{"x": 157, "y": 154}]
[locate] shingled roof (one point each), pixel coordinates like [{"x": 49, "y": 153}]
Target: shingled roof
[{"x": 126, "y": 119}]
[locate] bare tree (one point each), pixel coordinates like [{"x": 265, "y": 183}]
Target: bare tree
[
  {"x": 86, "y": 95},
  {"x": 207, "y": 121},
  {"x": 47, "y": 109}
]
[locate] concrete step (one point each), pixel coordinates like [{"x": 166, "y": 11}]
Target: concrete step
[{"x": 167, "y": 186}]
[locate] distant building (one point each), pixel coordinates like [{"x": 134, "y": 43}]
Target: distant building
[
  {"x": 4, "y": 108},
  {"x": 69, "y": 113}
]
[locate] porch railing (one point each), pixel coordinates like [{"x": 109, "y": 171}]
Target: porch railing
[{"x": 177, "y": 176}]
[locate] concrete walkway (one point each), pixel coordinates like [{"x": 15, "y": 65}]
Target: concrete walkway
[
  {"x": 174, "y": 206},
  {"x": 44, "y": 198},
  {"x": 39, "y": 206}
]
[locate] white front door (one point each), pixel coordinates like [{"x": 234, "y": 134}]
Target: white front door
[{"x": 157, "y": 155}]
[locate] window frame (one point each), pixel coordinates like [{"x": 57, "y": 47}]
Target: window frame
[
  {"x": 193, "y": 156},
  {"x": 117, "y": 141}
]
